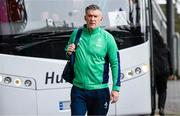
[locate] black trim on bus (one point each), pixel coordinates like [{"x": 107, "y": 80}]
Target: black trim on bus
[
  {"x": 153, "y": 97},
  {"x": 46, "y": 44}
]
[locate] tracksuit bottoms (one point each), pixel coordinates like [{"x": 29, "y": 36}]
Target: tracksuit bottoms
[{"x": 94, "y": 102}]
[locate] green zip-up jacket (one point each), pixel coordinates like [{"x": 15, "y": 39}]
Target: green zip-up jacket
[{"x": 95, "y": 51}]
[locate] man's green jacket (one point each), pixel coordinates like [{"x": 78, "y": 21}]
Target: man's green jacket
[{"x": 95, "y": 51}]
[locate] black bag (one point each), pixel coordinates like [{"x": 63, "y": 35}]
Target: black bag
[{"x": 68, "y": 72}]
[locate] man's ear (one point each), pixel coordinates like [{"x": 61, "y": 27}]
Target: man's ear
[
  {"x": 85, "y": 18},
  {"x": 101, "y": 18}
]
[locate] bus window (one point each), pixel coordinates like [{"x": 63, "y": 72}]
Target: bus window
[{"x": 30, "y": 30}]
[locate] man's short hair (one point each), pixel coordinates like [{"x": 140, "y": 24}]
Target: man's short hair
[{"x": 92, "y": 7}]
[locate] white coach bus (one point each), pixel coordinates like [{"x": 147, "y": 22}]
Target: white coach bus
[{"x": 33, "y": 37}]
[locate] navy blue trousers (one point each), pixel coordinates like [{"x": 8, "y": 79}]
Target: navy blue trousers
[{"x": 94, "y": 102}]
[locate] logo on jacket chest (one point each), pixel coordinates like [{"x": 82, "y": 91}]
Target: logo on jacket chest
[
  {"x": 97, "y": 47},
  {"x": 99, "y": 42}
]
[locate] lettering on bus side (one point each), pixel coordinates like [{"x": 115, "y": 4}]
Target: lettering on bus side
[{"x": 52, "y": 78}]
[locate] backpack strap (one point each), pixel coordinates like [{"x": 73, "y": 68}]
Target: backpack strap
[{"x": 78, "y": 35}]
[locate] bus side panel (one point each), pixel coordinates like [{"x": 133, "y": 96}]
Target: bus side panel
[
  {"x": 135, "y": 93},
  {"x": 53, "y": 102},
  {"x": 17, "y": 101},
  {"x": 135, "y": 98},
  {"x": 47, "y": 95}
]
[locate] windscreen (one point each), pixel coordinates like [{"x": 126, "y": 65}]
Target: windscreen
[{"x": 41, "y": 28}]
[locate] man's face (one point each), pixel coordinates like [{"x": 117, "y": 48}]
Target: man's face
[{"x": 93, "y": 18}]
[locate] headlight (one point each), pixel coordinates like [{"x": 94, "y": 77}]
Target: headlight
[
  {"x": 122, "y": 76},
  {"x": 17, "y": 82},
  {"x": 7, "y": 80},
  {"x": 130, "y": 73},
  {"x": 145, "y": 68},
  {"x": 137, "y": 70},
  {"x": 1, "y": 78},
  {"x": 134, "y": 72},
  {"x": 27, "y": 83}
]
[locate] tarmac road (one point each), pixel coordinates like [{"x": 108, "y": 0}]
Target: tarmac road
[{"x": 173, "y": 98}]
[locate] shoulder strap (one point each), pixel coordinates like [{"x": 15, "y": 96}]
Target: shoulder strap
[{"x": 78, "y": 35}]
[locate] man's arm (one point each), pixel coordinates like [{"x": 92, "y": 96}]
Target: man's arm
[
  {"x": 70, "y": 47},
  {"x": 114, "y": 59}
]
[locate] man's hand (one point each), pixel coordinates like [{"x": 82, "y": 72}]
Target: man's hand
[
  {"x": 70, "y": 49},
  {"x": 171, "y": 77},
  {"x": 114, "y": 96}
]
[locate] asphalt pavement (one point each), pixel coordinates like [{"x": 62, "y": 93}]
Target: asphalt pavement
[{"x": 173, "y": 98}]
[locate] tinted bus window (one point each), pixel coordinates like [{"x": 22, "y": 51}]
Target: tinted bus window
[{"x": 30, "y": 28}]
